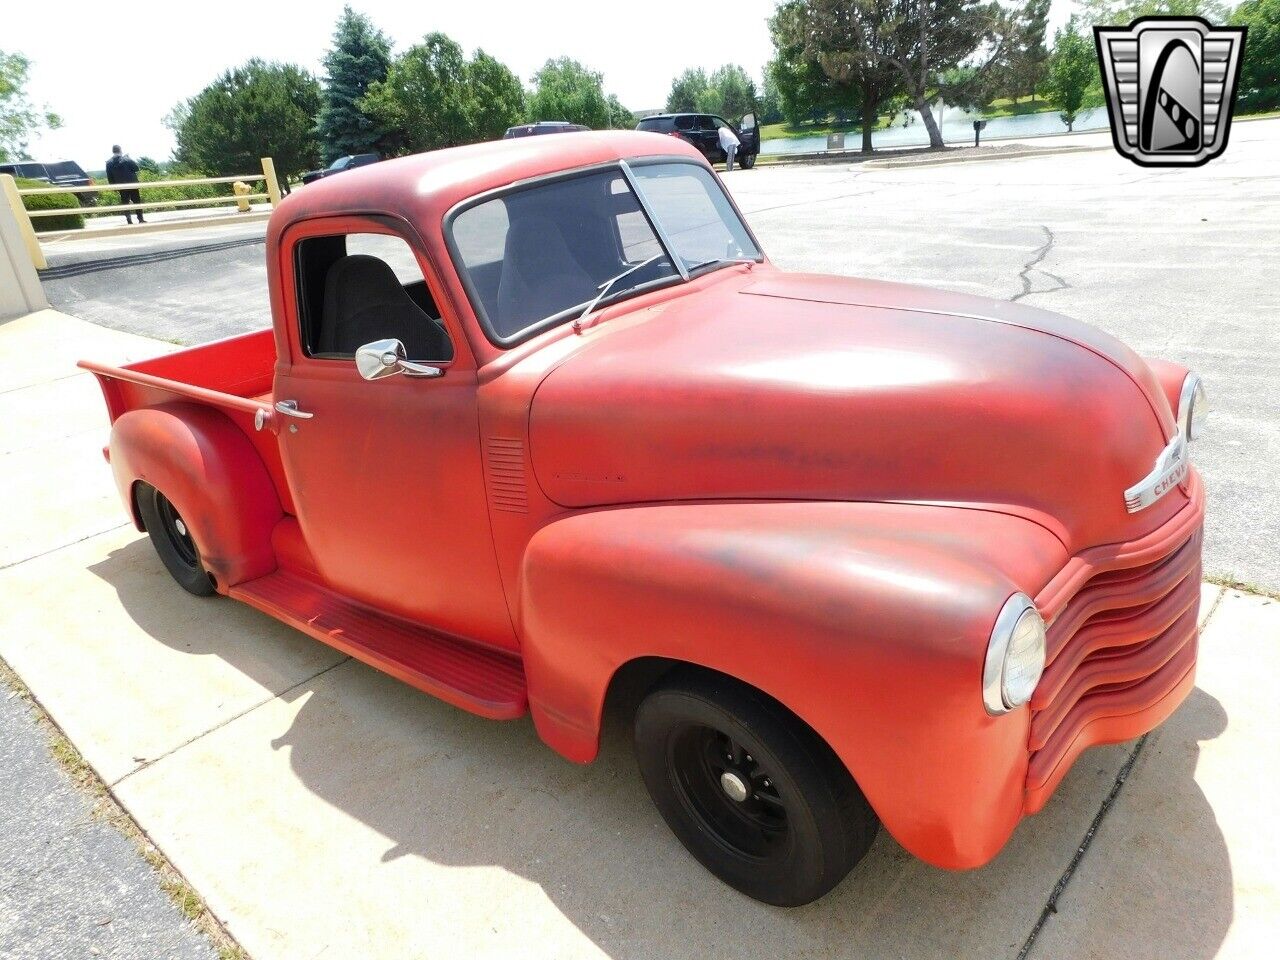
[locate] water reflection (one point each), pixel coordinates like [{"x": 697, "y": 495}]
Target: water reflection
[{"x": 957, "y": 128}]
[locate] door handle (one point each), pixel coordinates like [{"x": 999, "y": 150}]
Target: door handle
[{"x": 290, "y": 409}]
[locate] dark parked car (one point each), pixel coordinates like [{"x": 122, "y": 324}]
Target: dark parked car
[
  {"x": 349, "y": 162},
  {"x": 703, "y": 131},
  {"x": 541, "y": 127},
  {"x": 60, "y": 173}
]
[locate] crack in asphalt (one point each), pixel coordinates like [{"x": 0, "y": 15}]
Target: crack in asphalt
[{"x": 1037, "y": 258}]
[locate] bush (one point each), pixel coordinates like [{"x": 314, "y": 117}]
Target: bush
[{"x": 52, "y": 201}]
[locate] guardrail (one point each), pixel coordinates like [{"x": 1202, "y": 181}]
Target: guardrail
[{"x": 241, "y": 197}]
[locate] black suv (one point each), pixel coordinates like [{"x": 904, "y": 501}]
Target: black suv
[
  {"x": 60, "y": 173},
  {"x": 541, "y": 127},
  {"x": 342, "y": 164},
  {"x": 703, "y": 131}
]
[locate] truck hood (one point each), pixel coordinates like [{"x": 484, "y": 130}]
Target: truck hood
[{"x": 768, "y": 385}]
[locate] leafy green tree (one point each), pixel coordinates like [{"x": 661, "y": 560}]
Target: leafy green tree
[
  {"x": 685, "y": 90},
  {"x": 735, "y": 91},
  {"x": 20, "y": 120},
  {"x": 360, "y": 56},
  {"x": 566, "y": 90},
  {"x": 495, "y": 97},
  {"x": 434, "y": 97},
  {"x": 423, "y": 102},
  {"x": 1028, "y": 53},
  {"x": 919, "y": 39},
  {"x": 1260, "y": 70},
  {"x": 148, "y": 165},
  {"x": 256, "y": 110},
  {"x": 620, "y": 118},
  {"x": 1123, "y": 12},
  {"x": 1073, "y": 70}
]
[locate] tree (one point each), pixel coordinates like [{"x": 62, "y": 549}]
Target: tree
[
  {"x": 423, "y": 102},
  {"x": 1073, "y": 69},
  {"x": 620, "y": 118},
  {"x": 1028, "y": 53},
  {"x": 20, "y": 120},
  {"x": 685, "y": 90},
  {"x": 495, "y": 97},
  {"x": 566, "y": 90},
  {"x": 360, "y": 56},
  {"x": 257, "y": 110},
  {"x": 919, "y": 39},
  {"x": 1260, "y": 70},
  {"x": 148, "y": 165},
  {"x": 727, "y": 92},
  {"x": 1124, "y": 12}
]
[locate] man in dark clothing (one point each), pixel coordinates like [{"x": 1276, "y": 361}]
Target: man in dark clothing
[{"x": 122, "y": 168}]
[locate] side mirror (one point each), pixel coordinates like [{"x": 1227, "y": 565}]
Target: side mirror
[{"x": 385, "y": 358}]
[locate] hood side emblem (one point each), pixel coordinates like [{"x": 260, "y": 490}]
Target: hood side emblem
[{"x": 1170, "y": 470}]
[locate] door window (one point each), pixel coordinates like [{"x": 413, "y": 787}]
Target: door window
[{"x": 356, "y": 288}]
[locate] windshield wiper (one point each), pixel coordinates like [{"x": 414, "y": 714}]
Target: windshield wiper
[
  {"x": 607, "y": 286},
  {"x": 706, "y": 263}
]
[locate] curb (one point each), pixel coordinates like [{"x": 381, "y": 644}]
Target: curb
[{"x": 889, "y": 163}]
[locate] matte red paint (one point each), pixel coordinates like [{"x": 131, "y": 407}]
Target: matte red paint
[{"x": 826, "y": 487}]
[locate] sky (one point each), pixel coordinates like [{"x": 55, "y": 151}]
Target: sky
[{"x": 113, "y": 80}]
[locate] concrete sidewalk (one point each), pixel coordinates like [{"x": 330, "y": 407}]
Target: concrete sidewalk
[{"x": 323, "y": 809}]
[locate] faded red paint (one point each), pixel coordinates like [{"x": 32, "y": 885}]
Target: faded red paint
[{"x": 826, "y": 487}]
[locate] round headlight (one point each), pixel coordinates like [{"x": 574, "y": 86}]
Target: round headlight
[
  {"x": 1192, "y": 407},
  {"x": 1015, "y": 656}
]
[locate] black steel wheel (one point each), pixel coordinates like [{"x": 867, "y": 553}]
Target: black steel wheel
[
  {"x": 749, "y": 790},
  {"x": 173, "y": 542}
]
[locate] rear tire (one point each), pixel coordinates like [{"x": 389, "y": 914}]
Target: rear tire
[
  {"x": 173, "y": 542},
  {"x": 748, "y": 161},
  {"x": 751, "y": 792}
]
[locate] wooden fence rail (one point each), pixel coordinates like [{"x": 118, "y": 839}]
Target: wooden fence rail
[{"x": 13, "y": 194}]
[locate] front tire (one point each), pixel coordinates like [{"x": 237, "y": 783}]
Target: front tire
[
  {"x": 173, "y": 542},
  {"x": 751, "y": 792}
]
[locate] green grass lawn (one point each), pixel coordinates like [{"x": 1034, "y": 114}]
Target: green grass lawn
[{"x": 1008, "y": 108}]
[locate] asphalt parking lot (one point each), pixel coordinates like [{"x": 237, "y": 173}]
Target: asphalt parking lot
[{"x": 1180, "y": 264}]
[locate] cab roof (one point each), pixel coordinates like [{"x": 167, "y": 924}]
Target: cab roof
[{"x": 423, "y": 187}]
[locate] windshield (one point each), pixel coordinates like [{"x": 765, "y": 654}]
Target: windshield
[
  {"x": 340, "y": 163},
  {"x": 538, "y": 255}
]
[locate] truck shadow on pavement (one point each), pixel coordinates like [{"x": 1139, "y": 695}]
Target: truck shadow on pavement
[{"x": 459, "y": 791}]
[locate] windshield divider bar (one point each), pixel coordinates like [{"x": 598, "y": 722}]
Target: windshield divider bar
[{"x": 657, "y": 227}]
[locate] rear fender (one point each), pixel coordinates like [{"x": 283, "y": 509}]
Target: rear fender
[
  {"x": 868, "y": 621},
  {"x": 208, "y": 468}
]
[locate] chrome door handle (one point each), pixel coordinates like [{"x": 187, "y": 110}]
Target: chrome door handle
[{"x": 290, "y": 409}]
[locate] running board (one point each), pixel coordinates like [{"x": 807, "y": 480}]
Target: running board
[{"x": 472, "y": 677}]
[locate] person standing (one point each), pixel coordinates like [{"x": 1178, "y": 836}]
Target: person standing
[
  {"x": 729, "y": 143},
  {"x": 122, "y": 168}
]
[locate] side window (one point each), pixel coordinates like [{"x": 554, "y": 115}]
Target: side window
[
  {"x": 686, "y": 123},
  {"x": 356, "y": 288}
]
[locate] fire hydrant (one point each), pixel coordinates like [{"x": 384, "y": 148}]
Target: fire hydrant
[{"x": 241, "y": 190}]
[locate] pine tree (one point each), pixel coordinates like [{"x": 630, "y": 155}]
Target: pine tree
[{"x": 359, "y": 57}]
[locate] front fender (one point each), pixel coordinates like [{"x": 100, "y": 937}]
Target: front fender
[
  {"x": 868, "y": 621},
  {"x": 210, "y": 471}
]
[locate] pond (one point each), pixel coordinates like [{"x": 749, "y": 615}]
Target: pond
[{"x": 957, "y": 127}]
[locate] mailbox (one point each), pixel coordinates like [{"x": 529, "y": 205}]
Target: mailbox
[{"x": 978, "y": 127}]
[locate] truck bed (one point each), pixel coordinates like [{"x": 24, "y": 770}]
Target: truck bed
[{"x": 233, "y": 375}]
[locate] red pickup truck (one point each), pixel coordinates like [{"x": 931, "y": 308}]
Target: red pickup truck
[{"x": 538, "y": 422}]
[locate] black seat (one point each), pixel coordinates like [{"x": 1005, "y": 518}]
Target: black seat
[
  {"x": 540, "y": 275},
  {"x": 363, "y": 302}
]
